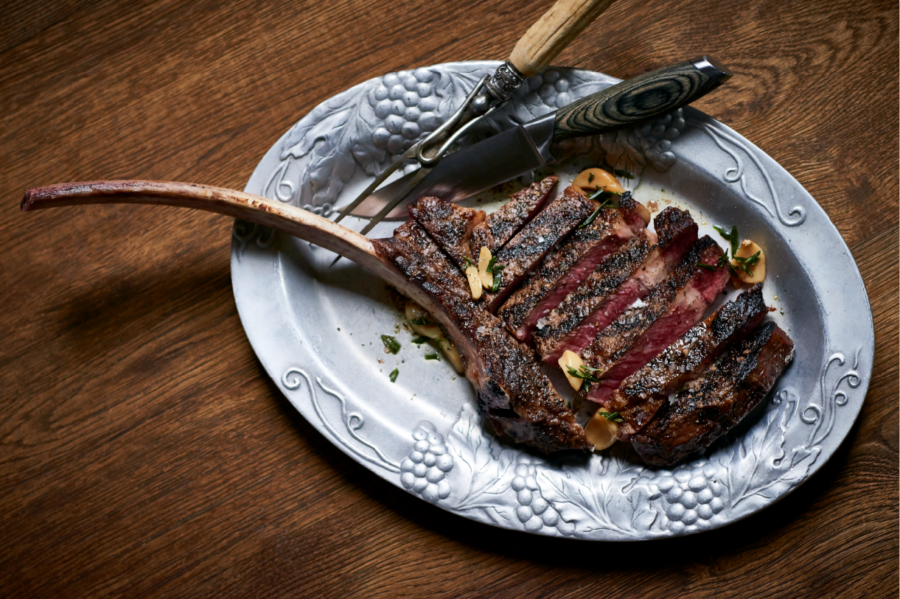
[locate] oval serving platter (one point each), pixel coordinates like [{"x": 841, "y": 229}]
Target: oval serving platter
[{"x": 317, "y": 330}]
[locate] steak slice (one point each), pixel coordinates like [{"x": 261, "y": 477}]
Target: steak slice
[
  {"x": 526, "y": 250},
  {"x": 648, "y": 327},
  {"x": 713, "y": 404},
  {"x": 641, "y": 394},
  {"x": 449, "y": 224},
  {"x": 513, "y": 392},
  {"x": 604, "y": 295},
  {"x": 503, "y": 223},
  {"x": 566, "y": 267}
]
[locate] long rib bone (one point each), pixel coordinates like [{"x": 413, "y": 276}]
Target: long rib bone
[{"x": 293, "y": 221}]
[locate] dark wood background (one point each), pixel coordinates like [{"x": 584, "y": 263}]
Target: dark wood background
[{"x": 143, "y": 449}]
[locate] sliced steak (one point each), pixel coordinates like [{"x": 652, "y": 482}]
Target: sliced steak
[
  {"x": 502, "y": 224},
  {"x": 712, "y": 405},
  {"x": 648, "y": 327},
  {"x": 640, "y": 395},
  {"x": 605, "y": 294},
  {"x": 513, "y": 392},
  {"x": 525, "y": 251},
  {"x": 566, "y": 267},
  {"x": 449, "y": 224},
  {"x": 601, "y": 288}
]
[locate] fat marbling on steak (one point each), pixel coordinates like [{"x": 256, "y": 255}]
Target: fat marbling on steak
[
  {"x": 503, "y": 223},
  {"x": 513, "y": 393},
  {"x": 604, "y": 295},
  {"x": 566, "y": 267},
  {"x": 713, "y": 404},
  {"x": 449, "y": 224},
  {"x": 640, "y": 395}
]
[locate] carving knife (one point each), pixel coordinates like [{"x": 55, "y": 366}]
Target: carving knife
[{"x": 526, "y": 147}]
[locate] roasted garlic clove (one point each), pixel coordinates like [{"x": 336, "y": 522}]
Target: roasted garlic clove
[
  {"x": 474, "y": 281},
  {"x": 570, "y": 359},
  {"x": 484, "y": 260},
  {"x": 420, "y": 322},
  {"x": 451, "y": 353},
  {"x": 600, "y": 431},
  {"x": 747, "y": 250},
  {"x": 593, "y": 179}
]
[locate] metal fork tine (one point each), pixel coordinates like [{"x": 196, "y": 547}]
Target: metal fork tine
[
  {"x": 420, "y": 174},
  {"x": 371, "y": 188}
]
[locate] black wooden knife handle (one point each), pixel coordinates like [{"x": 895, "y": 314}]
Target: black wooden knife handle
[{"x": 641, "y": 98}]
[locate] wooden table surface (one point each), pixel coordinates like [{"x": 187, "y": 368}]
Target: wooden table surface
[{"x": 144, "y": 451}]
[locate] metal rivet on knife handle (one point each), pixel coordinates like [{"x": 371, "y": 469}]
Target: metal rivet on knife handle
[{"x": 641, "y": 98}]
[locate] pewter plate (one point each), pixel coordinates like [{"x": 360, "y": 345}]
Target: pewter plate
[{"x": 317, "y": 330}]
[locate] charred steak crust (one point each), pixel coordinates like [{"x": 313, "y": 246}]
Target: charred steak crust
[
  {"x": 529, "y": 246},
  {"x": 578, "y": 304},
  {"x": 613, "y": 343},
  {"x": 449, "y": 224},
  {"x": 672, "y": 224},
  {"x": 502, "y": 224},
  {"x": 563, "y": 270},
  {"x": 513, "y": 392},
  {"x": 712, "y": 405},
  {"x": 640, "y": 395}
]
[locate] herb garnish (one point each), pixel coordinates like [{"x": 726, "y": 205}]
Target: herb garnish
[
  {"x": 420, "y": 340},
  {"x": 432, "y": 357},
  {"x": 625, "y": 174},
  {"x": 608, "y": 199},
  {"x": 612, "y": 416},
  {"x": 390, "y": 343},
  {"x": 584, "y": 373},
  {"x": 421, "y": 321},
  {"x": 467, "y": 263},
  {"x": 722, "y": 261},
  {"x": 732, "y": 237},
  {"x": 393, "y": 374},
  {"x": 496, "y": 269},
  {"x": 744, "y": 264},
  {"x": 590, "y": 177},
  {"x": 591, "y": 218}
]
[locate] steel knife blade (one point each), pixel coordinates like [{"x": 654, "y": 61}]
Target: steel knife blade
[{"x": 526, "y": 147}]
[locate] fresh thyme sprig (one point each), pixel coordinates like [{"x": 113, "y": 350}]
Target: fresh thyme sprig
[
  {"x": 606, "y": 203},
  {"x": 744, "y": 264},
  {"x": 722, "y": 261},
  {"x": 584, "y": 373},
  {"x": 496, "y": 270},
  {"x": 733, "y": 237},
  {"x": 390, "y": 343},
  {"x": 612, "y": 416},
  {"x": 624, "y": 174}
]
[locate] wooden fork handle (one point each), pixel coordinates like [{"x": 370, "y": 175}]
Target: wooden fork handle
[
  {"x": 249, "y": 207},
  {"x": 553, "y": 32}
]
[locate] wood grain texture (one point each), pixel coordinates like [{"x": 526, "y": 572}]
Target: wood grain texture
[
  {"x": 555, "y": 30},
  {"x": 642, "y": 97},
  {"x": 143, "y": 449}
]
